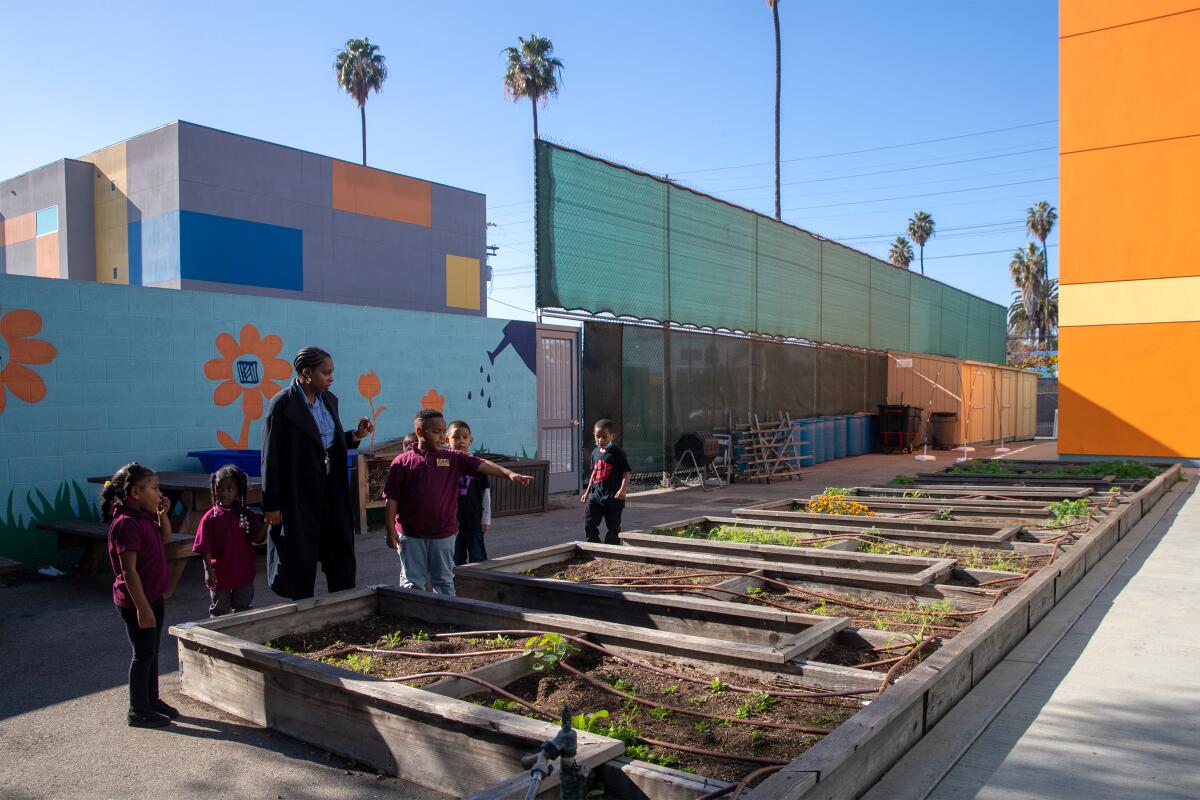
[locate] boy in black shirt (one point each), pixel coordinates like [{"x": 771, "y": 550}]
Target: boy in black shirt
[
  {"x": 474, "y": 502},
  {"x": 604, "y": 496}
]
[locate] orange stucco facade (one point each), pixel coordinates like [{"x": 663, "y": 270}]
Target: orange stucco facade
[{"x": 1129, "y": 336}]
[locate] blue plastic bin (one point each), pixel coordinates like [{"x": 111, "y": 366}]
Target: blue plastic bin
[
  {"x": 818, "y": 437},
  {"x": 804, "y": 433},
  {"x": 839, "y": 437},
  {"x": 248, "y": 461},
  {"x": 827, "y": 435}
]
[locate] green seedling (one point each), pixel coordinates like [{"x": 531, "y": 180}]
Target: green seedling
[
  {"x": 660, "y": 713},
  {"x": 916, "y": 494},
  {"x": 356, "y": 662},
  {"x": 622, "y": 685},
  {"x": 836, "y": 491},
  {"x": 595, "y": 722},
  {"x": 547, "y": 650},
  {"x": 943, "y": 514},
  {"x": 392, "y": 639},
  {"x": 716, "y": 686},
  {"x": 703, "y": 726},
  {"x": 672, "y": 689},
  {"x": 757, "y": 736},
  {"x": 755, "y": 591},
  {"x": 1066, "y": 512},
  {"x": 420, "y": 636},
  {"x": 697, "y": 701},
  {"x": 901, "y": 480}
]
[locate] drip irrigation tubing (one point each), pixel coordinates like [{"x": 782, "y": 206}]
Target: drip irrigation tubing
[
  {"x": 756, "y": 723},
  {"x": 493, "y": 687},
  {"x": 880, "y": 663},
  {"x": 661, "y": 670},
  {"x": 437, "y": 655},
  {"x": 891, "y": 673},
  {"x": 741, "y": 785},
  {"x": 700, "y": 751}
]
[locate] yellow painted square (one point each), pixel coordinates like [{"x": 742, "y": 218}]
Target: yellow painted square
[{"x": 462, "y": 282}]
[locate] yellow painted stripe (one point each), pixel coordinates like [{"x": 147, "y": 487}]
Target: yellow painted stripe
[{"x": 1129, "y": 302}]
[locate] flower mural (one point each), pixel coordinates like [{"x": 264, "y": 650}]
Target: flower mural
[
  {"x": 18, "y": 352},
  {"x": 433, "y": 400},
  {"x": 247, "y": 368},
  {"x": 369, "y": 387}
]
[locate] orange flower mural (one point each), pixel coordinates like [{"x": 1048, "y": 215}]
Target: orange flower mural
[
  {"x": 369, "y": 387},
  {"x": 18, "y": 352},
  {"x": 433, "y": 400},
  {"x": 248, "y": 369}
]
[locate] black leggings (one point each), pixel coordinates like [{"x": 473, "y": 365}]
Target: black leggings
[{"x": 143, "y": 670}]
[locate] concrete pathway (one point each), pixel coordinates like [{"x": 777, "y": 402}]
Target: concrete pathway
[{"x": 1100, "y": 702}]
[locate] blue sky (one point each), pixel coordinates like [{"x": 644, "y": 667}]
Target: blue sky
[{"x": 679, "y": 87}]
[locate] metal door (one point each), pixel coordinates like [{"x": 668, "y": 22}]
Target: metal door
[{"x": 558, "y": 404}]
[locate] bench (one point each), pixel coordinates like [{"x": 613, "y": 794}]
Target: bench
[{"x": 93, "y": 538}]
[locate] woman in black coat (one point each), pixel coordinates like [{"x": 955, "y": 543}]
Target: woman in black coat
[{"x": 306, "y": 497}]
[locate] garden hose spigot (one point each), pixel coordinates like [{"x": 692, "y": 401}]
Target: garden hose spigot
[{"x": 563, "y": 746}]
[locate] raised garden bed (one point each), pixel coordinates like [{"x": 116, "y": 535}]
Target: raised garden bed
[
  {"x": 826, "y": 526},
  {"x": 578, "y": 561},
  {"x": 420, "y": 734},
  {"x": 981, "y": 494}
]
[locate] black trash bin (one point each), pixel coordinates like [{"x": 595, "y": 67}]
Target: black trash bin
[{"x": 943, "y": 430}]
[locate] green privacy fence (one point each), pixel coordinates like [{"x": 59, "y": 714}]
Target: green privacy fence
[{"x": 612, "y": 239}]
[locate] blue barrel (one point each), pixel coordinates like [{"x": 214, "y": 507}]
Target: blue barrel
[
  {"x": 839, "y": 437},
  {"x": 804, "y": 434},
  {"x": 856, "y": 435},
  {"x": 817, "y": 432},
  {"x": 873, "y": 433},
  {"x": 830, "y": 432}
]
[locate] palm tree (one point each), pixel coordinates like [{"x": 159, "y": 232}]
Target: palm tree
[
  {"x": 1039, "y": 221},
  {"x": 1020, "y": 326},
  {"x": 1026, "y": 269},
  {"x": 900, "y": 254},
  {"x": 532, "y": 72},
  {"x": 774, "y": 4},
  {"x": 920, "y": 229},
  {"x": 359, "y": 70}
]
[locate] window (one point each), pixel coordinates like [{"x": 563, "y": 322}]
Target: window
[{"x": 47, "y": 221}]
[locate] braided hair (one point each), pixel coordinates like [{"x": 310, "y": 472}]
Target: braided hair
[
  {"x": 309, "y": 358},
  {"x": 118, "y": 487},
  {"x": 239, "y": 479}
]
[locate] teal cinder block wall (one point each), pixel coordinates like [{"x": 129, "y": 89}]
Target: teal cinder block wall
[{"x": 127, "y": 381}]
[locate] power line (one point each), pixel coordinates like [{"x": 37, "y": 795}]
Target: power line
[
  {"x": 510, "y": 305},
  {"x": 868, "y": 149},
  {"x": 927, "y": 194},
  {"x": 980, "y": 253}
]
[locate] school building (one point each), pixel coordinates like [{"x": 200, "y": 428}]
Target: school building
[
  {"x": 1129, "y": 320},
  {"x": 190, "y": 207}
]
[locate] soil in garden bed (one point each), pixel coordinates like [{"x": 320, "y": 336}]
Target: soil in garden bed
[
  {"x": 332, "y": 644},
  {"x": 629, "y": 721},
  {"x": 932, "y": 619},
  {"x": 967, "y": 557},
  {"x": 584, "y": 569},
  {"x": 846, "y": 656},
  {"x": 731, "y": 533}
]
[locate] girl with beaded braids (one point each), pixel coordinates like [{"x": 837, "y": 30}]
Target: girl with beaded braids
[
  {"x": 138, "y": 527},
  {"x": 306, "y": 496}
]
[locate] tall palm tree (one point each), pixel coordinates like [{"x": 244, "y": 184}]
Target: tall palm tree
[
  {"x": 360, "y": 69},
  {"x": 532, "y": 72},
  {"x": 774, "y": 4},
  {"x": 1026, "y": 268},
  {"x": 900, "y": 254},
  {"x": 1021, "y": 326},
  {"x": 920, "y": 229},
  {"x": 1039, "y": 221}
]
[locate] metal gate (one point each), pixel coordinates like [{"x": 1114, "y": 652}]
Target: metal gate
[{"x": 558, "y": 404}]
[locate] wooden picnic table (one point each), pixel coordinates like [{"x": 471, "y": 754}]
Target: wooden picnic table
[
  {"x": 194, "y": 491},
  {"x": 93, "y": 538}
]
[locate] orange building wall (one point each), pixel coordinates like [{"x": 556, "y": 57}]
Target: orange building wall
[{"x": 1130, "y": 171}]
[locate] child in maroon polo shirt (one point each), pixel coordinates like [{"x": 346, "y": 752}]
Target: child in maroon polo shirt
[
  {"x": 138, "y": 528},
  {"x": 422, "y": 498},
  {"x": 226, "y": 537}
]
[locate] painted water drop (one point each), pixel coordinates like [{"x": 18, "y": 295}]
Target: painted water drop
[
  {"x": 489, "y": 402},
  {"x": 482, "y": 393},
  {"x": 481, "y": 369},
  {"x": 468, "y": 395},
  {"x": 489, "y": 377}
]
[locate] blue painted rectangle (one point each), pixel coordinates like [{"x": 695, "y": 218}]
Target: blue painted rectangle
[
  {"x": 227, "y": 250},
  {"x": 47, "y": 221},
  {"x": 135, "y": 253}
]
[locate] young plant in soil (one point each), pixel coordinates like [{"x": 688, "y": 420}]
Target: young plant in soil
[
  {"x": 1066, "y": 512},
  {"x": 728, "y": 533},
  {"x": 585, "y": 569}
]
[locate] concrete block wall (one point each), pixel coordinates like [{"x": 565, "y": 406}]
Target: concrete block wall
[{"x": 123, "y": 374}]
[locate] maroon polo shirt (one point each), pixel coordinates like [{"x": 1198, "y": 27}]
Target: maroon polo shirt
[
  {"x": 225, "y": 543},
  {"x": 424, "y": 484},
  {"x": 138, "y": 532}
]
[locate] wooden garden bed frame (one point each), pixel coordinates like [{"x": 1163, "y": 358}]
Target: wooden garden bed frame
[
  {"x": 419, "y": 734},
  {"x": 884, "y": 506},
  {"x": 965, "y": 534},
  {"x": 959, "y": 493},
  {"x": 896, "y": 573}
]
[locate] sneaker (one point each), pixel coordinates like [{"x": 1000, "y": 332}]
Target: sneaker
[
  {"x": 149, "y": 720},
  {"x": 168, "y": 711}
]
